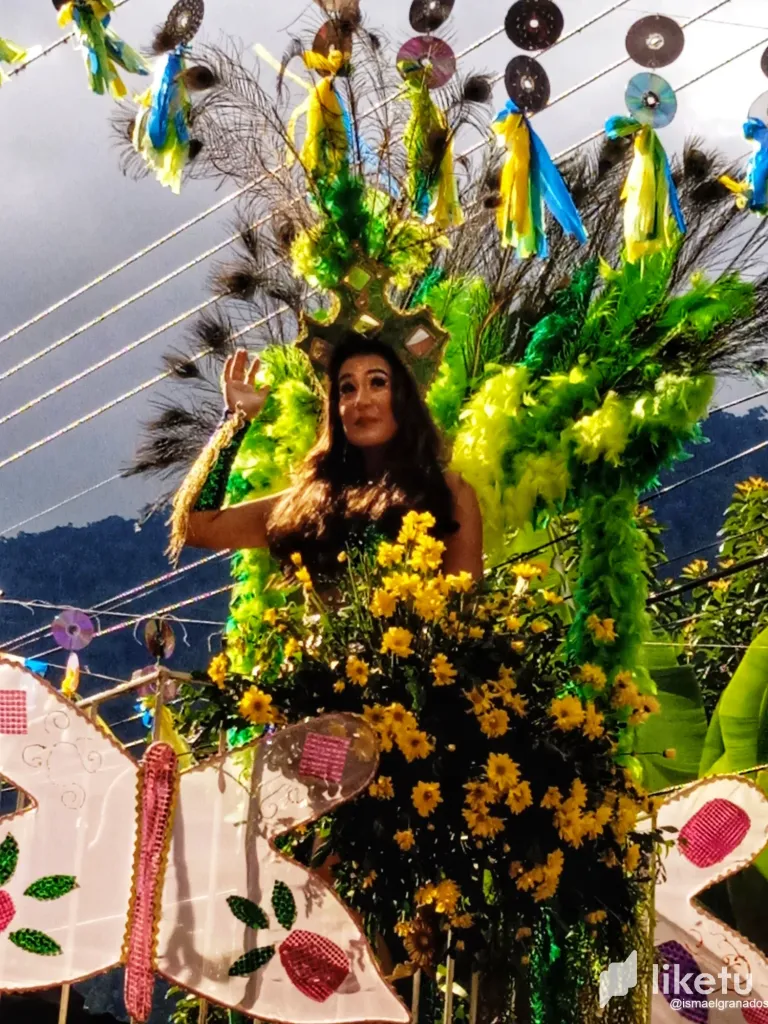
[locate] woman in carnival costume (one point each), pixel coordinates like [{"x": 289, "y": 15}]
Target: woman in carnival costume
[{"x": 509, "y": 700}]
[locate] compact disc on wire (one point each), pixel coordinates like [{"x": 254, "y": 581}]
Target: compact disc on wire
[
  {"x": 651, "y": 100},
  {"x": 335, "y": 35},
  {"x": 534, "y": 24},
  {"x": 184, "y": 21},
  {"x": 159, "y": 638},
  {"x": 527, "y": 84},
  {"x": 431, "y": 52},
  {"x": 764, "y": 62},
  {"x": 427, "y": 15},
  {"x": 72, "y": 630},
  {"x": 759, "y": 108},
  {"x": 655, "y": 41}
]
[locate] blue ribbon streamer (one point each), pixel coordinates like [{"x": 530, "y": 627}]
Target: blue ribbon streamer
[
  {"x": 546, "y": 182},
  {"x": 371, "y": 160},
  {"x": 757, "y": 168},
  {"x": 164, "y": 92},
  {"x": 38, "y": 667}
]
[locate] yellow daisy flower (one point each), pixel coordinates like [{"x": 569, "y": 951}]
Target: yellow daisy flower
[
  {"x": 442, "y": 670},
  {"x": 397, "y": 641},
  {"x": 632, "y": 858},
  {"x": 270, "y": 616},
  {"x": 479, "y": 795},
  {"x": 255, "y": 706},
  {"x": 382, "y": 788},
  {"x": 540, "y": 626},
  {"x": 551, "y": 597},
  {"x": 463, "y": 921},
  {"x": 513, "y": 623},
  {"x": 593, "y": 723},
  {"x": 593, "y": 676},
  {"x": 357, "y": 671},
  {"x": 218, "y": 669},
  {"x": 405, "y": 840},
  {"x": 552, "y": 798},
  {"x": 425, "y": 797},
  {"x": 603, "y": 630},
  {"x": 383, "y": 604},
  {"x": 427, "y": 554},
  {"x": 461, "y": 584},
  {"x": 516, "y": 703},
  {"x": 567, "y": 712},
  {"x": 595, "y": 917},
  {"x": 415, "y": 525},
  {"x": 414, "y": 745},
  {"x": 303, "y": 577},
  {"x": 297, "y": 559},
  {"x": 519, "y": 798},
  {"x": 339, "y": 686},
  {"x": 495, "y": 723},
  {"x": 401, "y": 719},
  {"x": 502, "y": 771},
  {"x": 528, "y": 570},
  {"x": 389, "y": 554}
]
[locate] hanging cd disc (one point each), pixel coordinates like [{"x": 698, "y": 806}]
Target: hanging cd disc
[
  {"x": 72, "y": 630},
  {"x": 534, "y": 24},
  {"x": 655, "y": 41},
  {"x": 651, "y": 100},
  {"x": 427, "y": 15},
  {"x": 159, "y": 638},
  {"x": 764, "y": 62},
  {"x": 527, "y": 84},
  {"x": 182, "y": 24},
  {"x": 759, "y": 108},
  {"x": 429, "y": 52},
  {"x": 336, "y": 35}
]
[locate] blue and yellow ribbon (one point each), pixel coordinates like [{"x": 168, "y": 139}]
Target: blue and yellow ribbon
[
  {"x": 103, "y": 49},
  {"x": 530, "y": 184},
  {"x": 653, "y": 218},
  {"x": 752, "y": 193},
  {"x": 326, "y": 143},
  {"x": 161, "y": 130}
]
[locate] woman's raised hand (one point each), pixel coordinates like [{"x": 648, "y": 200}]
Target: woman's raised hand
[{"x": 237, "y": 384}]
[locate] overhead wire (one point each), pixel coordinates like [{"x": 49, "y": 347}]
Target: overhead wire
[
  {"x": 136, "y": 593},
  {"x": 61, "y": 504}
]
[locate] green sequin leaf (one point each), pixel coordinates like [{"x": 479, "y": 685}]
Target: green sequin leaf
[
  {"x": 284, "y": 905},
  {"x": 53, "y": 887},
  {"x": 35, "y": 942},
  {"x": 248, "y": 912},
  {"x": 251, "y": 961},
  {"x": 9, "y": 858}
]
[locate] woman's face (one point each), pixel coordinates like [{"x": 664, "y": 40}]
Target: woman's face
[{"x": 365, "y": 401}]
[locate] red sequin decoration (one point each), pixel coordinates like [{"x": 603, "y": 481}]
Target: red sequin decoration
[
  {"x": 315, "y": 965},
  {"x": 7, "y": 910},
  {"x": 157, "y": 782},
  {"x": 324, "y": 757},
  {"x": 13, "y": 713},
  {"x": 755, "y": 1014},
  {"x": 714, "y": 831}
]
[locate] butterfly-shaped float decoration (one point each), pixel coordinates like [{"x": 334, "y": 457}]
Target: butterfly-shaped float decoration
[
  {"x": 114, "y": 862},
  {"x": 717, "y": 826}
]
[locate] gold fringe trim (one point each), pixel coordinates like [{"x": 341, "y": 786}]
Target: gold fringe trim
[{"x": 186, "y": 497}]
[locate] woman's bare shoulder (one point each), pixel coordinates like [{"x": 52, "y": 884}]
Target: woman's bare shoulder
[{"x": 459, "y": 487}]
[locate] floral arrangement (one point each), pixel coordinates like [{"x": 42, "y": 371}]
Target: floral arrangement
[{"x": 501, "y": 819}]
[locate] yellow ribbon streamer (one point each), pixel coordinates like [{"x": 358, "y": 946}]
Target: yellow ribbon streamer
[
  {"x": 644, "y": 195},
  {"x": 514, "y": 216},
  {"x": 325, "y": 141}
]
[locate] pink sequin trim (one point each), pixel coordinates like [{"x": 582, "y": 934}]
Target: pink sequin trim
[
  {"x": 157, "y": 782},
  {"x": 324, "y": 757},
  {"x": 13, "y": 713},
  {"x": 7, "y": 910},
  {"x": 315, "y": 965},
  {"x": 755, "y": 1014},
  {"x": 714, "y": 831}
]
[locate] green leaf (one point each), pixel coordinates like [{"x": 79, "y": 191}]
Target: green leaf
[
  {"x": 251, "y": 961},
  {"x": 284, "y": 905},
  {"x": 35, "y": 942},
  {"x": 248, "y": 912},
  {"x": 681, "y": 725},
  {"x": 9, "y": 858},
  {"x": 53, "y": 887}
]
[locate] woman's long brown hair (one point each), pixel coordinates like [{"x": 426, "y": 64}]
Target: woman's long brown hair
[{"x": 332, "y": 500}]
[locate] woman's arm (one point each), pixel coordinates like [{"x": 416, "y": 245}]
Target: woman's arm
[
  {"x": 241, "y": 526},
  {"x": 464, "y": 548}
]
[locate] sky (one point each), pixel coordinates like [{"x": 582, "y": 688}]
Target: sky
[{"x": 67, "y": 214}]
